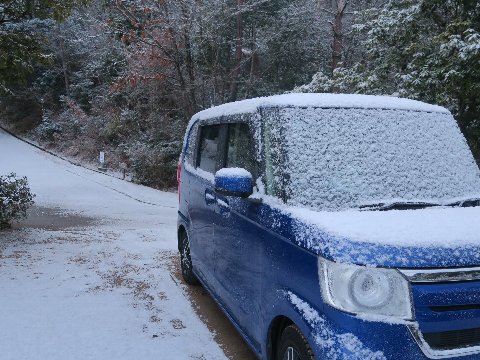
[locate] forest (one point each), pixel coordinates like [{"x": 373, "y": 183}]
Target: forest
[{"x": 125, "y": 76}]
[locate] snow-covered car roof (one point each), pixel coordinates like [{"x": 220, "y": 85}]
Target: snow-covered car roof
[{"x": 318, "y": 101}]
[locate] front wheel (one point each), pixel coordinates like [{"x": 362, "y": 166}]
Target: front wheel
[
  {"x": 293, "y": 345},
  {"x": 186, "y": 261}
]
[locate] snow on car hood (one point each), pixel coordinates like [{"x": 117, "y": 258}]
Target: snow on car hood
[{"x": 432, "y": 237}]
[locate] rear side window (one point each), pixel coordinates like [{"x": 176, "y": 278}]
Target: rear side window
[
  {"x": 192, "y": 145},
  {"x": 240, "y": 151},
  {"x": 208, "y": 149}
]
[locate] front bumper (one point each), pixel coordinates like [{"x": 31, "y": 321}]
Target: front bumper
[{"x": 351, "y": 338}]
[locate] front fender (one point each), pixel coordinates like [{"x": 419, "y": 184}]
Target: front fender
[
  {"x": 327, "y": 339},
  {"x": 283, "y": 308}
]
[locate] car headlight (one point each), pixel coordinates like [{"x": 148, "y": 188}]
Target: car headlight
[{"x": 370, "y": 292}]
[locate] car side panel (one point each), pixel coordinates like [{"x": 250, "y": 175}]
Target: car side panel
[
  {"x": 239, "y": 264},
  {"x": 200, "y": 213}
]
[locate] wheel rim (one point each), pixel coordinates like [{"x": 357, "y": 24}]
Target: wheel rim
[{"x": 291, "y": 354}]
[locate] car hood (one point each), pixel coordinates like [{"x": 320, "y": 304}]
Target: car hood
[{"x": 431, "y": 237}]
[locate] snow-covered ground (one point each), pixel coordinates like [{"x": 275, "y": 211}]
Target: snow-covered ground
[{"x": 102, "y": 290}]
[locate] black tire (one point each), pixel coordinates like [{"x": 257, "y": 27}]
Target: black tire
[
  {"x": 293, "y": 345},
  {"x": 186, "y": 261}
]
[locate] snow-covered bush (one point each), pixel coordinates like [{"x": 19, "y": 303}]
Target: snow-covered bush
[
  {"x": 15, "y": 199},
  {"x": 155, "y": 165},
  {"x": 47, "y": 128}
]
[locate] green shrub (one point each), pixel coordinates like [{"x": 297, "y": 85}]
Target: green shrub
[
  {"x": 15, "y": 199},
  {"x": 47, "y": 128},
  {"x": 155, "y": 165}
]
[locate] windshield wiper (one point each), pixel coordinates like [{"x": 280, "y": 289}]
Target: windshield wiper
[
  {"x": 414, "y": 205},
  {"x": 465, "y": 203},
  {"x": 399, "y": 205}
]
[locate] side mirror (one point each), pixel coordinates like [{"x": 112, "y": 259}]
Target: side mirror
[{"x": 234, "y": 182}]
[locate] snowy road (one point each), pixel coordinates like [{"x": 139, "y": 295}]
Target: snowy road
[{"x": 100, "y": 290}]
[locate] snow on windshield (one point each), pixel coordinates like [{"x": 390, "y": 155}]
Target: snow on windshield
[{"x": 335, "y": 159}]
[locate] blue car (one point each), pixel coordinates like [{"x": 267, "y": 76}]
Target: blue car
[{"x": 335, "y": 226}]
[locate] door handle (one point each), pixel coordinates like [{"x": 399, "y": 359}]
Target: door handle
[
  {"x": 209, "y": 198},
  {"x": 223, "y": 205}
]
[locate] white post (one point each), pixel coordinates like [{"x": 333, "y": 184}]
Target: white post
[{"x": 101, "y": 159}]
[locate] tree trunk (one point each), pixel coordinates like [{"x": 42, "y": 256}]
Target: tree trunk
[
  {"x": 337, "y": 46},
  {"x": 238, "y": 52},
  {"x": 254, "y": 60},
  {"x": 61, "y": 44},
  {"x": 189, "y": 63}
]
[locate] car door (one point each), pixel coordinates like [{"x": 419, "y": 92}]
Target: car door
[
  {"x": 238, "y": 239},
  {"x": 202, "y": 202}
]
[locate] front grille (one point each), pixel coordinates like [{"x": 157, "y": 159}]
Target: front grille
[{"x": 448, "y": 340}]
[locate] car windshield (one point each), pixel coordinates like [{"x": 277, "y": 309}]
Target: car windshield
[{"x": 334, "y": 159}]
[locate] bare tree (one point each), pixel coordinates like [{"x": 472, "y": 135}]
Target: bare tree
[
  {"x": 340, "y": 7},
  {"x": 238, "y": 52}
]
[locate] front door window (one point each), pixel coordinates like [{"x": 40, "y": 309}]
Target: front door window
[{"x": 240, "y": 151}]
